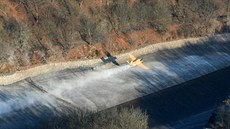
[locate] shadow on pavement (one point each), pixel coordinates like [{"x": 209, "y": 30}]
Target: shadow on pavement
[{"x": 184, "y": 100}]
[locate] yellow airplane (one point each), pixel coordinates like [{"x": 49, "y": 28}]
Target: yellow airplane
[{"x": 136, "y": 62}]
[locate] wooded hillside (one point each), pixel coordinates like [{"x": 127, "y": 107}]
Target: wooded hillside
[{"x": 34, "y": 32}]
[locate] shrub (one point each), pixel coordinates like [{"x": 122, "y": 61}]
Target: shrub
[
  {"x": 186, "y": 31},
  {"x": 159, "y": 27},
  {"x": 118, "y": 13},
  {"x": 192, "y": 10},
  {"x": 123, "y": 17},
  {"x": 12, "y": 28},
  {"x": 110, "y": 119},
  {"x": 220, "y": 119},
  {"x": 25, "y": 35},
  {"x": 120, "y": 119},
  {"x": 90, "y": 31},
  {"x": 3, "y": 53}
]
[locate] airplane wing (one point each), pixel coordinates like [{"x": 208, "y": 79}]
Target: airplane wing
[
  {"x": 104, "y": 60},
  {"x": 143, "y": 66},
  {"x": 114, "y": 62},
  {"x": 132, "y": 57}
]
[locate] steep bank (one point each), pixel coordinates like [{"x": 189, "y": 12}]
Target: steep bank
[
  {"x": 35, "y": 32},
  {"x": 42, "y": 96},
  {"x": 52, "y": 67}
]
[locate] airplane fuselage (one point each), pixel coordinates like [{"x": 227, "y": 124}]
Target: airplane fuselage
[{"x": 136, "y": 62}]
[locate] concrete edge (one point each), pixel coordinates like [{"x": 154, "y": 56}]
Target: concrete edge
[{"x": 54, "y": 67}]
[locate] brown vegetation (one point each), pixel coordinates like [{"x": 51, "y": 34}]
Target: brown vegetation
[
  {"x": 126, "y": 118},
  {"x": 34, "y": 32}
]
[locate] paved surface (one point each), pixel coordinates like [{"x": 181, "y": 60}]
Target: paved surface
[
  {"x": 187, "y": 105},
  {"x": 25, "y": 103}
]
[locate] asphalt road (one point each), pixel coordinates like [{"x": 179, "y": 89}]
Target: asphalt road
[{"x": 24, "y": 104}]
